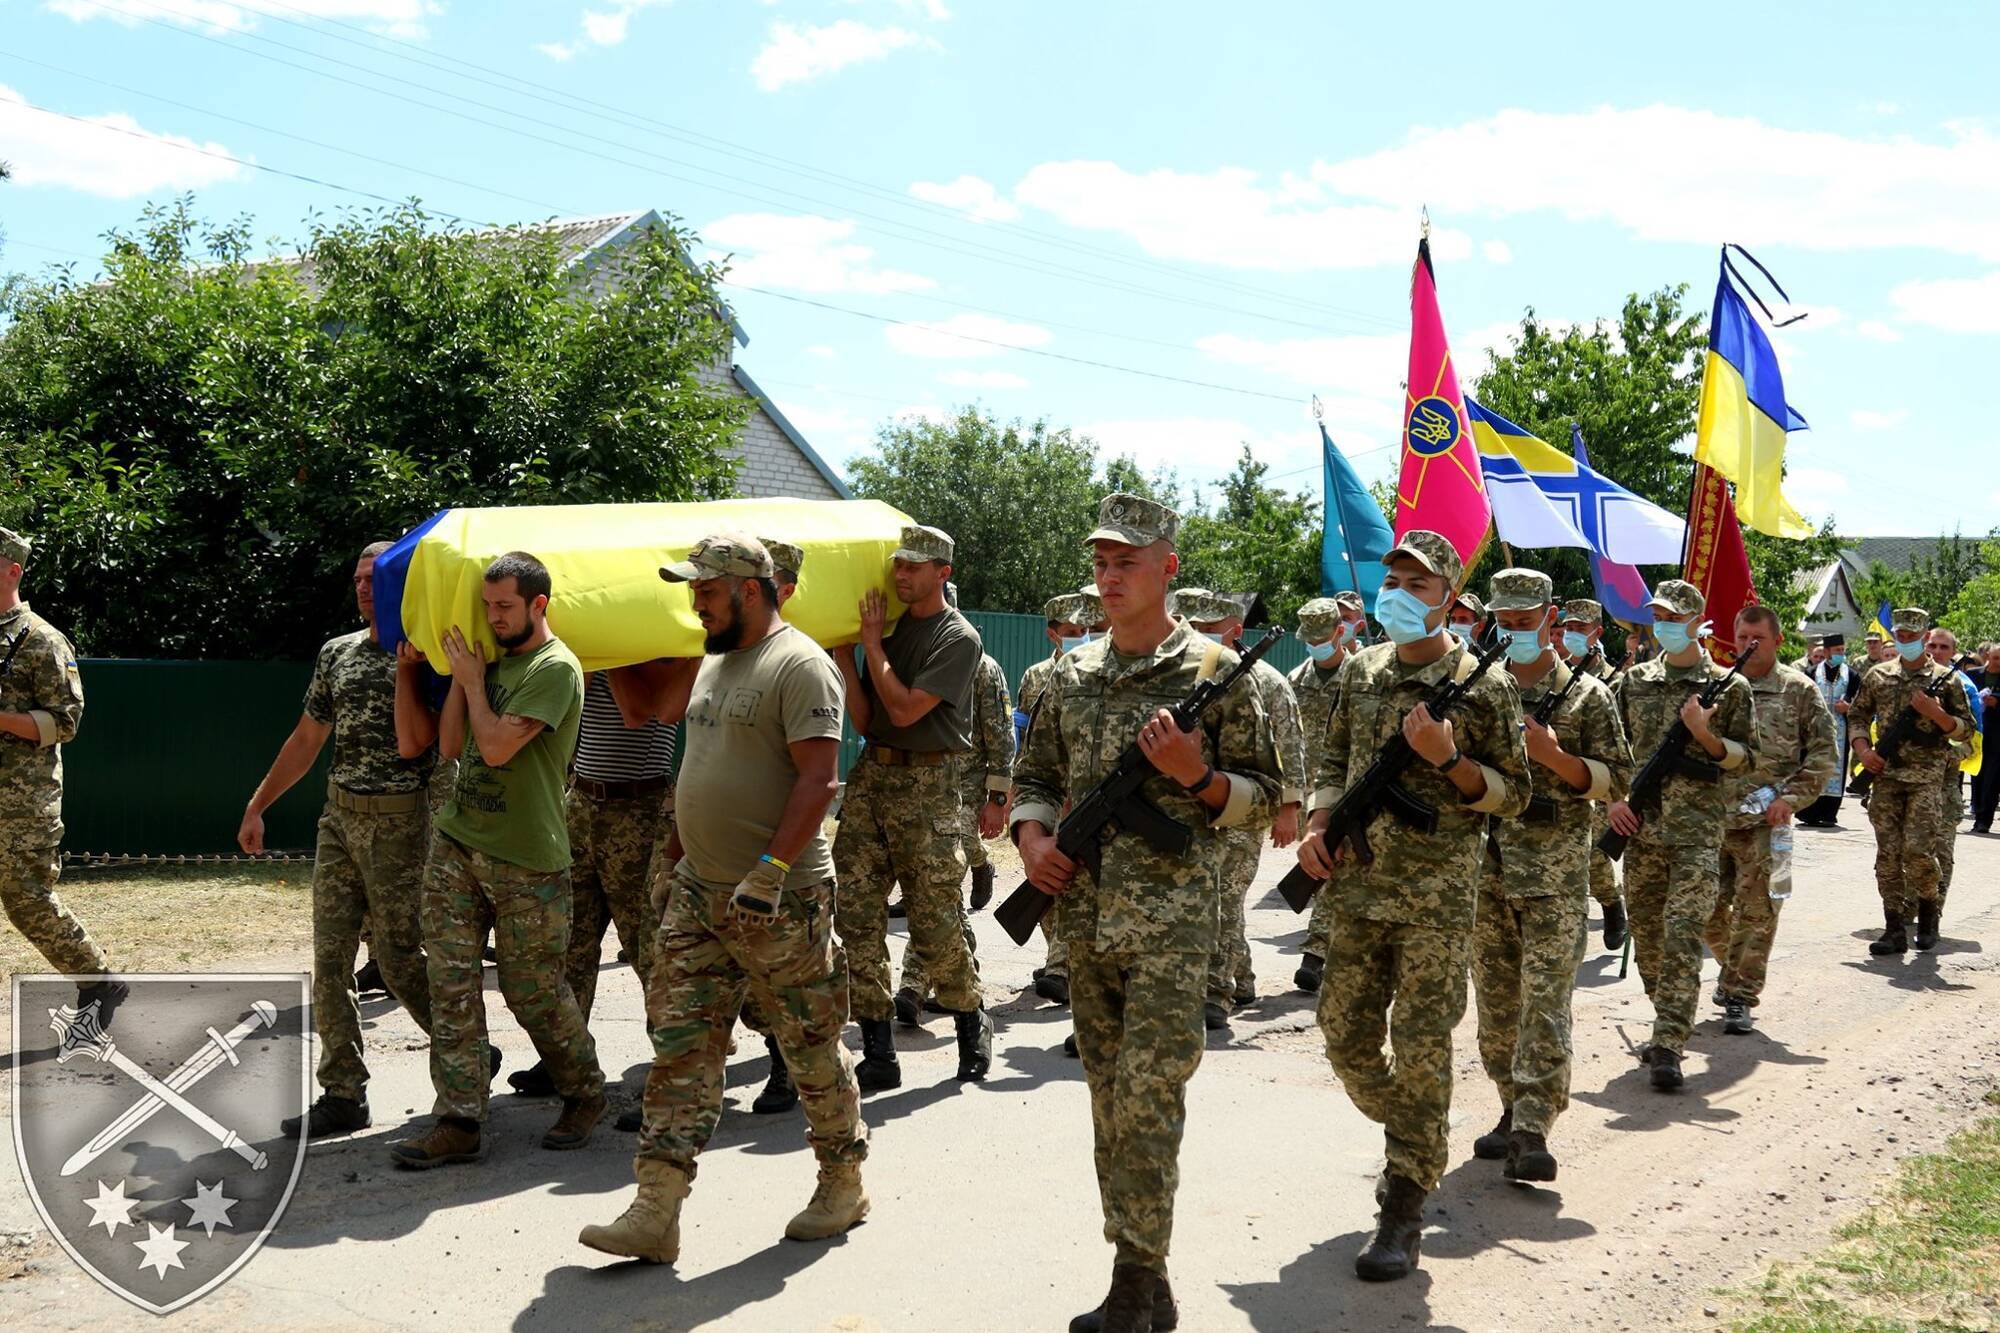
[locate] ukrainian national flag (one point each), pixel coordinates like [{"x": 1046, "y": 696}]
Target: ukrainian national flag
[{"x": 1744, "y": 416}]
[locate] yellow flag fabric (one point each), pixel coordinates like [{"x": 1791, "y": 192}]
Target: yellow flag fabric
[
  {"x": 609, "y": 603},
  {"x": 1744, "y": 416}
]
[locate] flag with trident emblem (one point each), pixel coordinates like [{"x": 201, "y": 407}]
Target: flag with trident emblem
[{"x": 1440, "y": 487}]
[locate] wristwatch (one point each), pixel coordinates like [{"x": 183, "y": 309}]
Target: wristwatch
[{"x": 1451, "y": 763}]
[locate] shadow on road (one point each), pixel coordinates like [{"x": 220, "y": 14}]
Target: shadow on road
[
  {"x": 1318, "y": 1290},
  {"x": 1477, "y": 1209},
  {"x": 636, "y": 1294}
]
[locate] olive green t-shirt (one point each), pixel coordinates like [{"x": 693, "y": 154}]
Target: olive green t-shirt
[
  {"x": 747, "y": 708},
  {"x": 939, "y": 655},
  {"x": 515, "y": 813}
]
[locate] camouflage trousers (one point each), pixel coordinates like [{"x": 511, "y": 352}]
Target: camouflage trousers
[
  {"x": 466, "y": 894},
  {"x": 1229, "y": 973},
  {"x": 1525, "y": 952},
  {"x": 971, "y": 795},
  {"x": 706, "y": 962},
  {"x": 1953, "y": 813},
  {"x": 1406, "y": 985},
  {"x": 1139, "y": 1032},
  {"x": 1603, "y": 876},
  {"x": 367, "y": 868},
  {"x": 28, "y": 873},
  {"x": 612, "y": 845},
  {"x": 1320, "y": 925},
  {"x": 1669, "y": 892},
  {"x": 1744, "y": 924},
  {"x": 900, "y": 825},
  {"x": 1909, "y": 828},
  {"x": 1056, "y": 964}
]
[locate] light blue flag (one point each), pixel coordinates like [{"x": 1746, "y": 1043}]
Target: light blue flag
[{"x": 1357, "y": 536}]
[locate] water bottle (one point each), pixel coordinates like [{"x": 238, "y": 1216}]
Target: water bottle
[
  {"x": 1757, "y": 802},
  {"x": 1781, "y": 863}
]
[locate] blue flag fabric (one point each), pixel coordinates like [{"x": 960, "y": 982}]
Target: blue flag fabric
[
  {"x": 1621, "y": 588},
  {"x": 1357, "y": 536}
]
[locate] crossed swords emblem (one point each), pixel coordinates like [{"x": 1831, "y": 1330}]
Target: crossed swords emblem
[{"x": 80, "y": 1034}]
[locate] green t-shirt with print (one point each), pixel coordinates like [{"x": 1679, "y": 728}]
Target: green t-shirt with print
[{"x": 515, "y": 813}]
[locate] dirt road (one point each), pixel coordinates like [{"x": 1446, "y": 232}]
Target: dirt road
[{"x": 985, "y": 1212}]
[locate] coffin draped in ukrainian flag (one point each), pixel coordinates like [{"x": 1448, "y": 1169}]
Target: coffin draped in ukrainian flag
[{"x": 609, "y": 603}]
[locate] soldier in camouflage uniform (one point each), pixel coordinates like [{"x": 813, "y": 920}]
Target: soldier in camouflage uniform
[
  {"x": 41, "y": 704},
  {"x": 1329, "y": 638},
  {"x": 751, "y": 912},
  {"x": 1530, "y": 923},
  {"x": 1673, "y": 860},
  {"x": 1793, "y": 756},
  {"x": 1906, "y": 798},
  {"x": 1397, "y": 948},
  {"x": 1142, "y": 930},
  {"x": 912, "y": 704},
  {"x": 368, "y": 864},
  {"x": 1231, "y": 983},
  {"x": 1583, "y": 647},
  {"x": 1468, "y": 618},
  {"x": 499, "y": 862},
  {"x": 1942, "y": 646}
]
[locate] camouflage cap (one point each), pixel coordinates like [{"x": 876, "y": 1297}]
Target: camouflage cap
[
  {"x": 1061, "y": 608},
  {"x": 1910, "y": 618},
  {"x": 1089, "y": 609},
  {"x": 1470, "y": 601},
  {"x": 1350, "y": 601},
  {"x": 1584, "y": 609},
  {"x": 14, "y": 547},
  {"x": 1873, "y": 636},
  {"x": 1204, "y": 607},
  {"x": 1678, "y": 597},
  {"x": 1522, "y": 590},
  {"x": 1318, "y": 619},
  {"x": 1134, "y": 520},
  {"x": 1430, "y": 550},
  {"x": 724, "y": 555},
  {"x": 920, "y": 542},
  {"x": 786, "y": 558}
]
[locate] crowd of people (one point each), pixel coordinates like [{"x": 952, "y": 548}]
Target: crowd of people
[{"x": 518, "y": 799}]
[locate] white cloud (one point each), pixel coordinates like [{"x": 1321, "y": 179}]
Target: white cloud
[
  {"x": 118, "y": 161},
  {"x": 1209, "y": 445},
  {"x": 397, "y": 18},
  {"x": 930, "y": 412},
  {"x": 1815, "y": 490},
  {"x": 964, "y": 337},
  {"x": 934, "y": 10},
  {"x": 804, "y": 253},
  {"x": 1957, "y": 305},
  {"x": 1877, "y": 331},
  {"x": 834, "y": 431},
  {"x": 1865, "y": 419},
  {"x": 983, "y": 379},
  {"x": 795, "y": 54},
  {"x": 1232, "y": 217},
  {"x": 970, "y": 195},
  {"x": 1671, "y": 173},
  {"x": 822, "y": 351},
  {"x": 1369, "y": 367},
  {"x": 1497, "y": 252},
  {"x": 601, "y": 27}
]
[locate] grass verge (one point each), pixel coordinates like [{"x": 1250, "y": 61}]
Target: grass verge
[{"x": 1928, "y": 1258}]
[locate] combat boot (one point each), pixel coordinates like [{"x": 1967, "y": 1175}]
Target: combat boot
[
  {"x": 1492, "y": 1145},
  {"x": 1166, "y": 1314},
  {"x": 650, "y": 1227},
  {"x": 899, "y": 909},
  {"x": 1927, "y": 925},
  {"x": 368, "y": 981},
  {"x": 1614, "y": 924},
  {"x": 778, "y": 1094},
  {"x": 534, "y": 1081},
  {"x": 1666, "y": 1067},
  {"x": 572, "y": 1128},
  {"x": 1311, "y": 968},
  {"x": 1894, "y": 938},
  {"x": 975, "y": 1044},
  {"x": 106, "y": 994},
  {"x": 1214, "y": 1017},
  {"x": 1399, "y": 1233},
  {"x": 1069, "y": 1046},
  {"x": 909, "y": 1007},
  {"x": 1053, "y": 987},
  {"x": 451, "y": 1139},
  {"x": 329, "y": 1115},
  {"x": 838, "y": 1202},
  {"x": 1129, "y": 1307},
  {"x": 631, "y": 1120},
  {"x": 1528, "y": 1157},
  {"x": 982, "y": 886},
  {"x": 878, "y": 1070},
  {"x": 1736, "y": 1018}
]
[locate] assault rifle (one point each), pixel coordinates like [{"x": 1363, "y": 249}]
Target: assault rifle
[
  {"x": 1116, "y": 804},
  {"x": 1541, "y": 809},
  {"x": 1380, "y": 788},
  {"x": 1903, "y": 731},
  {"x": 1671, "y": 759}
]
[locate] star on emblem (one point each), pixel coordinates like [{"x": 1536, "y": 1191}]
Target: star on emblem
[
  {"x": 162, "y": 1251},
  {"x": 111, "y": 1207},
  {"x": 210, "y": 1207}
]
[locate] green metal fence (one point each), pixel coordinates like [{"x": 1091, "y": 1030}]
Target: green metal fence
[{"x": 170, "y": 751}]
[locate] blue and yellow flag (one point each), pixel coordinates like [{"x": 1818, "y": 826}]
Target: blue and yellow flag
[{"x": 1744, "y": 415}]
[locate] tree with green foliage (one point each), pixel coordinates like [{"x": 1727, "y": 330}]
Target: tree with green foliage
[
  {"x": 205, "y": 440},
  {"x": 1974, "y": 613},
  {"x": 1256, "y": 538}
]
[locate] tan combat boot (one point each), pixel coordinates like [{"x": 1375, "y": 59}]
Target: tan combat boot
[
  {"x": 836, "y": 1205},
  {"x": 650, "y": 1227}
]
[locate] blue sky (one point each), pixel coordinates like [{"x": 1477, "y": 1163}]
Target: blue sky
[{"x": 1152, "y": 187}]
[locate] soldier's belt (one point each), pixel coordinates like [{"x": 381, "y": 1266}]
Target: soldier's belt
[
  {"x": 618, "y": 791},
  {"x": 895, "y": 758},
  {"x": 361, "y": 803},
  {"x": 1541, "y": 810}
]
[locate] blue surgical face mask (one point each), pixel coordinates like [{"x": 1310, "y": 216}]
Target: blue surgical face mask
[
  {"x": 1462, "y": 630},
  {"x": 1576, "y": 645},
  {"x": 1404, "y": 618},
  {"x": 1675, "y": 637},
  {"x": 1350, "y": 631},
  {"x": 1212, "y": 637},
  {"x": 1523, "y": 645},
  {"x": 1909, "y": 652},
  {"x": 1070, "y": 645},
  {"x": 1836, "y": 660},
  {"x": 1319, "y": 652}
]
